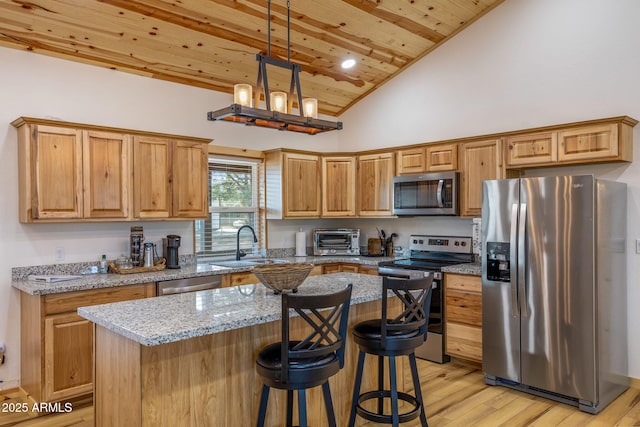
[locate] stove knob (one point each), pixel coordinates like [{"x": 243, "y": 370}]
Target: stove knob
[
  {"x": 421, "y": 241},
  {"x": 463, "y": 243},
  {"x": 457, "y": 243}
]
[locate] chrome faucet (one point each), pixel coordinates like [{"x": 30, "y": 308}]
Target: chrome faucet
[{"x": 240, "y": 253}]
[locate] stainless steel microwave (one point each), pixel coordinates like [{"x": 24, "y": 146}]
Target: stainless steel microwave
[
  {"x": 426, "y": 194},
  {"x": 336, "y": 241}
]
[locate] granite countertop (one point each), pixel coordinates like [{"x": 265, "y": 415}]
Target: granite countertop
[
  {"x": 474, "y": 268},
  {"x": 204, "y": 268},
  {"x": 171, "y": 318}
]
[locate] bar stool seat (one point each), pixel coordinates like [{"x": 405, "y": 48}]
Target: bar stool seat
[
  {"x": 301, "y": 364},
  {"x": 398, "y": 336}
]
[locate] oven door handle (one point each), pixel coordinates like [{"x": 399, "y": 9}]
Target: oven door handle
[{"x": 440, "y": 193}]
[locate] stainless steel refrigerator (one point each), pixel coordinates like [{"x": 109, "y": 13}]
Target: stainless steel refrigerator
[{"x": 554, "y": 288}]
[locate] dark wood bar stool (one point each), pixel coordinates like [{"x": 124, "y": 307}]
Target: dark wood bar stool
[
  {"x": 301, "y": 364},
  {"x": 398, "y": 336}
]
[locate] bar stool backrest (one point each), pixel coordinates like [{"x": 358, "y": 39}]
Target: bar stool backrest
[
  {"x": 415, "y": 294},
  {"x": 327, "y": 316}
]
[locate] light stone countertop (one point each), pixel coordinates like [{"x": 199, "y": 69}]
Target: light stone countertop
[
  {"x": 171, "y": 318},
  {"x": 205, "y": 268},
  {"x": 474, "y": 269}
]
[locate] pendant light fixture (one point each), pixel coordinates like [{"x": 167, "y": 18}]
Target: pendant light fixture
[{"x": 279, "y": 105}]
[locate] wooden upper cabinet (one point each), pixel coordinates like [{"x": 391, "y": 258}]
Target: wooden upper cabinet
[
  {"x": 375, "y": 184},
  {"x": 190, "y": 180},
  {"x": 106, "y": 174},
  {"x": 73, "y": 172},
  {"x": 50, "y": 171},
  {"x": 292, "y": 185},
  {"x": 170, "y": 178},
  {"x": 604, "y": 140},
  {"x": 441, "y": 157},
  {"x": 480, "y": 160},
  {"x": 412, "y": 160},
  {"x": 152, "y": 177},
  {"x": 338, "y": 186},
  {"x": 532, "y": 149},
  {"x": 588, "y": 143}
]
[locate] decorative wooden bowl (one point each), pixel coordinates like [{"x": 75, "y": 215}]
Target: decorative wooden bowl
[{"x": 282, "y": 277}]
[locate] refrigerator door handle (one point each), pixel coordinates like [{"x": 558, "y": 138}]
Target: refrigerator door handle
[
  {"x": 439, "y": 193},
  {"x": 513, "y": 256},
  {"x": 522, "y": 259}
]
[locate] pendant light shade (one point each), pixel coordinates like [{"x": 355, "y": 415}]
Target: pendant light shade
[
  {"x": 242, "y": 95},
  {"x": 310, "y": 107},
  {"x": 279, "y": 102}
]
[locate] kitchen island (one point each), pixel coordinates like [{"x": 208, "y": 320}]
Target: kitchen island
[{"x": 189, "y": 359}]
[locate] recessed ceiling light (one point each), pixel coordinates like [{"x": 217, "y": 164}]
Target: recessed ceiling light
[{"x": 348, "y": 63}]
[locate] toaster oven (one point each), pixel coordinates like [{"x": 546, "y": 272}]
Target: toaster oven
[{"x": 336, "y": 241}]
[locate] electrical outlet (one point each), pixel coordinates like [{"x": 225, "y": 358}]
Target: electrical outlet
[{"x": 59, "y": 253}]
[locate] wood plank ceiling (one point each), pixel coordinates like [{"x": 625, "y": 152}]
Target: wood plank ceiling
[{"x": 212, "y": 43}]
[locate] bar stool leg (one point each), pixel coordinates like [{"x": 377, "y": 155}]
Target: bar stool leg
[
  {"x": 289, "y": 408},
  {"x": 302, "y": 407},
  {"x": 417, "y": 388},
  {"x": 264, "y": 397},
  {"x": 380, "y": 384},
  {"x": 328, "y": 403},
  {"x": 356, "y": 389},
  {"x": 395, "y": 414}
]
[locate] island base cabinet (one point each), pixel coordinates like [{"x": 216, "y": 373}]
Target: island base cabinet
[{"x": 211, "y": 380}]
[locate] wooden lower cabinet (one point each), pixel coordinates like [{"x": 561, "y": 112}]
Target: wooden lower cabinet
[
  {"x": 57, "y": 344},
  {"x": 242, "y": 278},
  {"x": 341, "y": 267},
  {"x": 463, "y": 316}
]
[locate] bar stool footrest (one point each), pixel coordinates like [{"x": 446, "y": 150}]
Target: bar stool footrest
[{"x": 384, "y": 418}]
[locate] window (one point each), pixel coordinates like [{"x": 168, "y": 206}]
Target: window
[{"x": 233, "y": 202}]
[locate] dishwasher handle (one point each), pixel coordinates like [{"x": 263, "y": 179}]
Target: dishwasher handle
[{"x": 192, "y": 284}]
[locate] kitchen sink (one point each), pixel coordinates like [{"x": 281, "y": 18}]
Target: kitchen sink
[{"x": 247, "y": 262}]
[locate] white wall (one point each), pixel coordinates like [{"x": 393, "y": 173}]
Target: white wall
[
  {"x": 38, "y": 86},
  {"x": 527, "y": 63}
]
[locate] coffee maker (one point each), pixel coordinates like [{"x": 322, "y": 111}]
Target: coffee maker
[{"x": 170, "y": 245}]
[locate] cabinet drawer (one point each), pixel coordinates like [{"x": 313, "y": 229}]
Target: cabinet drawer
[
  {"x": 463, "y": 282},
  {"x": 70, "y": 301},
  {"x": 236, "y": 279},
  {"x": 463, "y": 307},
  {"x": 464, "y": 341}
]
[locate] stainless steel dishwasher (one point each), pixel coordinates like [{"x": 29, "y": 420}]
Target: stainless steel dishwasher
[{"x": 192, "y": 284}]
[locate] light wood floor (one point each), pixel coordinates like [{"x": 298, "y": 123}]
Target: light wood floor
[{"x": 455, "y": 395}]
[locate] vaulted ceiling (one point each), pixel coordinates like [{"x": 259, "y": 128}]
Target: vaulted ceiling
[{"x": 212, "y": 43}]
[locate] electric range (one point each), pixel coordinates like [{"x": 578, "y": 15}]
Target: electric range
[{"x": 428, "y": 255}]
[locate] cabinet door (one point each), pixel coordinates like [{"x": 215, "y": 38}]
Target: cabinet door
[
  {"x": 106, "y": 172},
  {"x": 532, "y": 149},
  {"x": 588, "y": 143},
  {"x": 442, "y": 157},
  {"x": 481, "y": 160},
  {"x": 375, "y": 184},
  {"x": 338, "y": 186},
  {"x": 190, "y": 180},
  {"x": 152, "y": 173},
  {"x": 56, "y": 156},
  {"x": 68, "y": 365},
  {"x": 301, "y": 185},
  {"x": 412, "y": 160}
]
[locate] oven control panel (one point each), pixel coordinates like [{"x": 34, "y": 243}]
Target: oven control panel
[{"x": 440, "y": 244}]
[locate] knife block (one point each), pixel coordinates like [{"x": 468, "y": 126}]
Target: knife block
[{"x": 374, "y": 246}]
